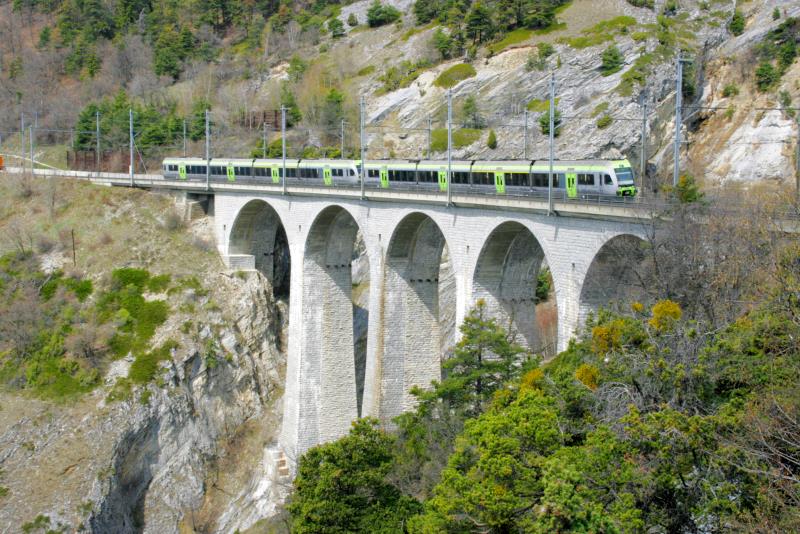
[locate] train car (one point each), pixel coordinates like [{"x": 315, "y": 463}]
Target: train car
[{"x": 586, "y": 178}]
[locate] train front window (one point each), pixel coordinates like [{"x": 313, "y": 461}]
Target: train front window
[{"x": 624, "y": 176}]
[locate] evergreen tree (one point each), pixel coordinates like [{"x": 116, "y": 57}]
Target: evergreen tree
[
  {"x": 336, "y": 27},
  {"x": 293, "y": 114},
  {"x": 491, "y": 142},
  {"x": 472, "y": 113},
  {"x": 479, "y": 23},
  {"x": 612, "y": 60}
]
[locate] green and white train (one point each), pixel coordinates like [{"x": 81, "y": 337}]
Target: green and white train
[{"x": 571, "y": 179}]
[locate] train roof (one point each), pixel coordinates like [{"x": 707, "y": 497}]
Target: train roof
[{"x": 271, "y": 162}]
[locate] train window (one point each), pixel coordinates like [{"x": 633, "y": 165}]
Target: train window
[
  {"x": 516, "y": 178},
  {"x": 540, "y": 179},
  {"x": 460, "y": 177},
  {"x": 242, "y": 171},
  {"x": 586, "y": 179},
  {"x": 373, "y": 173},
  {"x": 428, "y": 176},
  {"x": 483, "y": 178},
  {"x": 608, "y": 180}
]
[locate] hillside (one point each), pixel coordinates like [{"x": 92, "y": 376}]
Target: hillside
[
  {"x": 135, "y": 373},
  {"x": 175, "y": 60}
]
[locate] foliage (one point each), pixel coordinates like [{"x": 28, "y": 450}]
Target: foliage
[
  {"x": 538, "y": 61},
  {"x": 402, "y": 75},
  {"x": 491, "y": 141},
  {"x": 544, "y": 123},
  {"x": 601, "y": 32},
  {"x": 736, "y": 25},
  {"x": 730, "y": 89},
  {"x": 471, "y": 114},
  {"x": 50, "y": 342},
  {"x": 155, "y": 124},
  {"x": 145, "y": 366},
  {"x": 341, "y": 486},
  {"x": 288, "y": 101},
  {"x": 455, "y": 74},
  {"x": 612, "y": 60},
  {"x": 604, "y": 121},
  {"x": 336, "y": 27},
  {"x": 379, "y": 14}
]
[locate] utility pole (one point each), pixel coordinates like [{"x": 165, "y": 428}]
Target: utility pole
[
  {"x": 552, "y": 138},
  {"x": 97, "y": 140},
  {"x": 264, "y": 141},
  {"x": 22, "y": 136},
  {"x": 184, "y": 138},
  {"x": 643, "y": 156},
  {"x": 363, "y": 149},
  {"x": 676, "y": 157},
  {"x": 449, "y": 143},
  {"x": 283, "y": 147},
  {"x": 797, "y": 163},
  {"x": 525, "y": 135},
  {"x": 30, "y": 131},
  {"x": 208, "y": 154},
  {"x": 430, "y": 136},
  {"x": 130, "y": 137},
  {"x": 341, "y": 152}
]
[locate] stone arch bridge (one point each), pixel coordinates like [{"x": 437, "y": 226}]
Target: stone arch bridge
[{"x": 494, "y": 253}]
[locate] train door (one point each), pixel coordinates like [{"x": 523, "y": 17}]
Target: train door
[
  {"x": 385, "y": 177},
  {"x": 500, "y": 183},
  {"x": 443, "y": 180},
  {"x": 182, "y": 171},
  {"x": 327, "y": 177},
  {"x": 231, "y": 173},
  {"x": 276, "y": 175},
  {"x": 572, "y": 184}
]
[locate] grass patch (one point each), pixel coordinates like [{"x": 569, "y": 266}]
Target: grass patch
[
  {"x": 415, "y": 30},
  {"x": 601, "y": 32},
  {"x": 637, "y": 74},
  {"x": 604, "y": 122},
  {"x": 539, "y": 105},
  {"x": 461, "y": 138},
  {"x": 366, "y": 71},
  {"x": 454, "y": 75},
  {"x": 602, "y": 107},
  {"x": 145, "y": 366}
]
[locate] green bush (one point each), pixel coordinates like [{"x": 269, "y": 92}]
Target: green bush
[
  {"x": 730, "y": 90},
  {"x": 612, "y": 60},
  {"x": 736, "y": 25},
  {"x": 379, "y": 14},
  {"x": 352, "y": 20},
  {"x": 604, "y": 121},
  {"x": 145, "y": 366},
  {"x": 766, "y": 76},
  {"x": 454, "y": 75},
  {"x": 544, "y": 123},
  {"x": 491, "y": 142}
]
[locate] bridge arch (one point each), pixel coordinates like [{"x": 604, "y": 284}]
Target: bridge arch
[
  {"x": 328, "y": 340},
  {"x": 418, "y": 284},
  {"x": 612, "y": 278},
  {"x": 258, "y": 240},
  {"x": 506, "y": 276}
]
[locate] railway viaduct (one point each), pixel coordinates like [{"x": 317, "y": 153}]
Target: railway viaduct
[
  {"x": 494, "y": 247},
  {"x": 494, "y": 253}
]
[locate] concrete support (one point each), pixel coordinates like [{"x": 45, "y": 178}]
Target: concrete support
[{"x": 411, "y": 330}]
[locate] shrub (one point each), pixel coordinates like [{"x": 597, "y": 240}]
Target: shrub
[
  {"x": 379, "y": 14},
  {"x": 766, "y": 76},
  {"x": 604, "y": 121},
  {"x": 642, "y": 3},
  {"x": 144, "y": 367},
  {"x": 336, "y": 27},
  {"x": 665, "y": 314},
  {"x": 736, "y": 25},
  {"x": 730, "y": 90},
  {"x": 588, "y": 375},
  {"x": 454, "y": 75},
  {"x": 461, "y": 137},
  {"x": 776, "y": 13},
  {"x": 352, "y": 20},
  {"x": 491, "y": 142},
  {"x": 544, "y": 123},
  {"x": 612, "y": 60}
]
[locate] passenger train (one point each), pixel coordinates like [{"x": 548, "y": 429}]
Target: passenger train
[{"x": 574, "y": 179}]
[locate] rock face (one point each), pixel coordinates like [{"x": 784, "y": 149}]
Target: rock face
[{"x": 144, "y": 464}]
